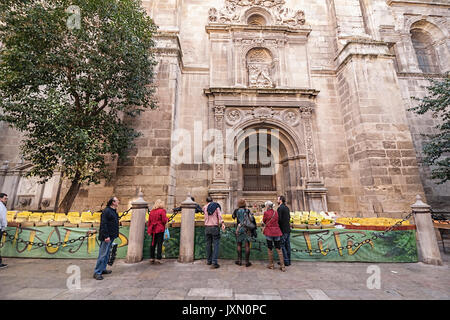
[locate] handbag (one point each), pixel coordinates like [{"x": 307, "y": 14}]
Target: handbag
[
  {"x": 166, "y": 234},
  {"x": 264, "y": 227}
]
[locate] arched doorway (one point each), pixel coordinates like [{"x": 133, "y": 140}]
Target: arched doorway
[{"x": 263, "y": 171}]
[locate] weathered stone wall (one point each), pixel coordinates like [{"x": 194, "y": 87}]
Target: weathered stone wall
[{"x": 357, "y": 55}]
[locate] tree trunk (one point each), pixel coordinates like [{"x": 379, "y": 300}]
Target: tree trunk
[{"x": 70, "y": 196}]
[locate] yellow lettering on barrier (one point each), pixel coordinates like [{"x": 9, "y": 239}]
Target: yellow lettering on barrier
[
  {"x": 321, "y": 248},
  {"x": 52, "y": 250},
  {"x": 308, "y": 242},
  {"x": 91, "y": 242},
  {"x": 338, "y": 242},
  {"x": 32, "y": 235},
  {"x": 16, "y": 236},
  {"x": 123, "y": 240},
  {"x": 66, "y": 237},
  {"x": 350, "y": 250}
]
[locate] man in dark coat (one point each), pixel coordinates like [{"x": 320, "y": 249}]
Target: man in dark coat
[
  {"x": 109, "y": 230},
  {"x": 284, "y": 217}
]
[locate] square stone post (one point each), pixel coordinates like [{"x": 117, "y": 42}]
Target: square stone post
[
  {"x": 187, "y": 232},
  {"x": 427, "y": 244},
  {"x": 137, "y": 229}
]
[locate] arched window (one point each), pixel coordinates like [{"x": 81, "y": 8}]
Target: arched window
[{"x": 425, "y": 51}]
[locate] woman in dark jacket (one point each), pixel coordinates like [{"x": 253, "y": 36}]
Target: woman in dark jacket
[
  {"x": 243, "y": 233},
  {"x": 273, "y": 234},
  {"x": 157, "y": 221}
]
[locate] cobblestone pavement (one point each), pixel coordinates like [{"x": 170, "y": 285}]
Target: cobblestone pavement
[{"x": 47, "y": 279}]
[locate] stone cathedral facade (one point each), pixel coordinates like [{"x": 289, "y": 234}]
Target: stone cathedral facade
[{"x": 329, "y": 81}]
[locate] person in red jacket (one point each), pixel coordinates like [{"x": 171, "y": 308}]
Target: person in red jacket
[
  {"x": 157, "y": 223},
  {"x": 273, "y": 234}
]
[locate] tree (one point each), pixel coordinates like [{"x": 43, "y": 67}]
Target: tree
[
  {"x": 437, "y": 147},
  {"x": 70, "y": 72}
]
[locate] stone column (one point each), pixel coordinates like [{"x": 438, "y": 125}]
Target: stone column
[
  {"x": 137, "y": 229},
  {"x": 426, "y": 237},
  {"x": 187, "y": 233}
]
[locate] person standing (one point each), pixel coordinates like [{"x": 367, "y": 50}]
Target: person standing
[
  {"x": 243, "y": 233},
  {"x": 3, "y": 221},
  {"x": 157, "y": 223},
  {"x": 213, "y": 219},
  {"x": 284, "y": 218},
  {"x": 109, "y": 230},
  {"x": 273, "y": 234}
]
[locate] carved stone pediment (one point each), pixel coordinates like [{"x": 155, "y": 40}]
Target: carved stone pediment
[
  {"x": 289, "y": 116},
  {"x": 237, "y": 12}
]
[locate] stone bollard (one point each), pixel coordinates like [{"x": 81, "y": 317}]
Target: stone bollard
[
  {"x": 187, "y": 232},
  {"x": 428, "y": 249},
  {"x": 137, "y": 229}
]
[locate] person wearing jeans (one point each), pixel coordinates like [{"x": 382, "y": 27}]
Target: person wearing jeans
[
  {"x": 102, "y": 261},
  {"x": 213, "y": 218},
  {"x": 109, "y": 230},
  {"x": 284, "y": 218}
]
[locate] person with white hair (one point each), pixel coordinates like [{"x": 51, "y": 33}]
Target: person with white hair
[{"x": 273, "y": 235}]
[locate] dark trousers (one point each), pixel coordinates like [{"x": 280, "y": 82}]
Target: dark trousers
[
  {"x": 159, "y": 238},
  {"x": 1, "y": 235},
  {"x": 212, "y": 235},
  {"x": 286, "y": 248}
]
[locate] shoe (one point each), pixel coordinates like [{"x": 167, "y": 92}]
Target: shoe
[
  {"x": 3, "y": 266},
  {"x": 98, "y": 276},
  {"x": 238, "y": 263},
  {"x": 209, "y": 263},
  {"x": 215, "y": 266},
  {"x": 106, "y": 272},
  {"x": 152, "y": 261},
  {"x": 248, "y": 264}
]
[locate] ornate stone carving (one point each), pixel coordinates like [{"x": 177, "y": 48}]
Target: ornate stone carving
[
  {"x": 233, "y": 116},
  {"x": 290, "y": 117},
  {"x": 219, "y": 112},
  {"x": 286, "y": 16},
  {"x": 233, "y": 11},
  {"x": 258, "y": 76},
  {"x": 218, "y": 171},
  {"x": 306, "y": 114},
  {"x": 259, "y": 63}
]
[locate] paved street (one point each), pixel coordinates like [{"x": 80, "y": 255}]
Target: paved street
[{"x": 47, "y": 279}]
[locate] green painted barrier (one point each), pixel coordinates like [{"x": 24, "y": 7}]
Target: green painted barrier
[{"x": 306, "y": 245}]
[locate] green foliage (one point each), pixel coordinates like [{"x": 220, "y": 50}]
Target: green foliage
[
  {"x": 437, "y": 148},
  {"x": 68, "y": 89}
]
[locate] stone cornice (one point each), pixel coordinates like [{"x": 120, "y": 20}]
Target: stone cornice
[
  {"x": 422, "y": 75},
  {"x": 420, "y": 3},
  {"x": 310, "y": 93},
  {"x": 361, "y": 48},
  {"x": 305, "y": 30}
]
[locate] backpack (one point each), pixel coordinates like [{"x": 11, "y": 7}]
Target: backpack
[{"x": 247, "y": 222}]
